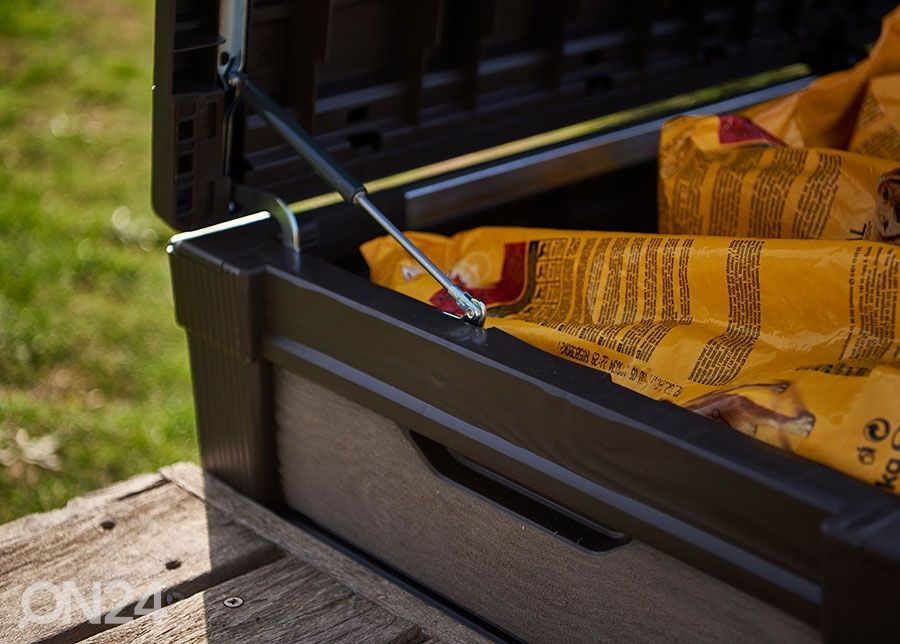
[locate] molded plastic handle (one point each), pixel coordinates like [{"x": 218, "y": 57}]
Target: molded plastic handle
[{"x": 516, "y": 499}]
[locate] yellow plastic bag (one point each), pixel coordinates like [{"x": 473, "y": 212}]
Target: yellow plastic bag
[
  {"x": 782, "y": 169},
  {"x": 725, "y": 176},
  {"x": 793, "y": 342},
  {"x": 824, "y": 114},
  {"x": 877, "y": 130}
]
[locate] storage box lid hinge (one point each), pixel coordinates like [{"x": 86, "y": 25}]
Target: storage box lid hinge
[{"x": 253, "y": 200}]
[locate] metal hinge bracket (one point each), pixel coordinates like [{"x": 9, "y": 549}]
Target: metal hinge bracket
[{"x": 251, "y": 200}]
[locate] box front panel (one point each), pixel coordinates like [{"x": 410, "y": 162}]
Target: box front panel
[{"x": 360, "y": 476}]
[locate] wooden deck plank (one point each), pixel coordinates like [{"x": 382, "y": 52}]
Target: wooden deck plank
[
  {"x": 326, "y": 559},
  {"x": 29, "y": 525},
  {"x": 285, "y": 601},
  {"x": 146, "y": 531}
]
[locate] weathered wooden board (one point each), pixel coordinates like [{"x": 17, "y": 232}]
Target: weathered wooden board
[
  {"x": 32, "y": 524},
  {"x": 143, "y": 532},
  {"x": 285, "y": 601},
  {"x": 312, "y": 551},
  {"x": 200, "y": 543}
]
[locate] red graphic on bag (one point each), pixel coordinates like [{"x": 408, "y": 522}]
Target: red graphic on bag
[
  {"x": 508, "y": 289},
  {"x": 737, "y": 129}
]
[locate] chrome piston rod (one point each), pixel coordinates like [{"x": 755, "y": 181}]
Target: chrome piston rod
[
  {"x": 474, "y": 310},
  {"x": 351, "y": 189}
]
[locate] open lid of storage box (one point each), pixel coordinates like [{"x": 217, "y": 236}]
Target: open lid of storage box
[{"x": 390, "y": 85}]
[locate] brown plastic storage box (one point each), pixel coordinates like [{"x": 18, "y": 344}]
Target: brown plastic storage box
[{"x": 528, "y": 496}]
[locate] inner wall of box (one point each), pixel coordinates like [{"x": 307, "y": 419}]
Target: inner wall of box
[{"x": 623, "y": 200}]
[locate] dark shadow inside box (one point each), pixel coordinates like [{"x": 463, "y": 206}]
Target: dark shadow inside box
[{"x": 620, "y": 201}]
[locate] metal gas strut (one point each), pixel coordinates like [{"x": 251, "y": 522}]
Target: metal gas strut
[{"x": 350, "y": 188}]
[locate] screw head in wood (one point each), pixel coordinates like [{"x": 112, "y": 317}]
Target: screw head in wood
[
  {"x": 233, "y": 602},
  {"x": 173, "y": 596}
]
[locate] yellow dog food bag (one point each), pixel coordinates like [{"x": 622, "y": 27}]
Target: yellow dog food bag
[
  {"x": 877, "y": 130},
  {"x": 812, "y": 165},
  {"x": 824, "y": 114},
  {"x": 793, "y": 342}
]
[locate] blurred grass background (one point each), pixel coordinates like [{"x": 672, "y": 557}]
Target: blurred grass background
[{"x": 94, "y": 380}]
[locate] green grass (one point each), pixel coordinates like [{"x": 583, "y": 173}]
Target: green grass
[{"x": 91, "y": 359}]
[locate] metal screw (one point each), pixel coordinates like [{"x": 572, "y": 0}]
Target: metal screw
[
  {"x": 233, "y": 602},
  {"x": 172, "y": 597}
]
